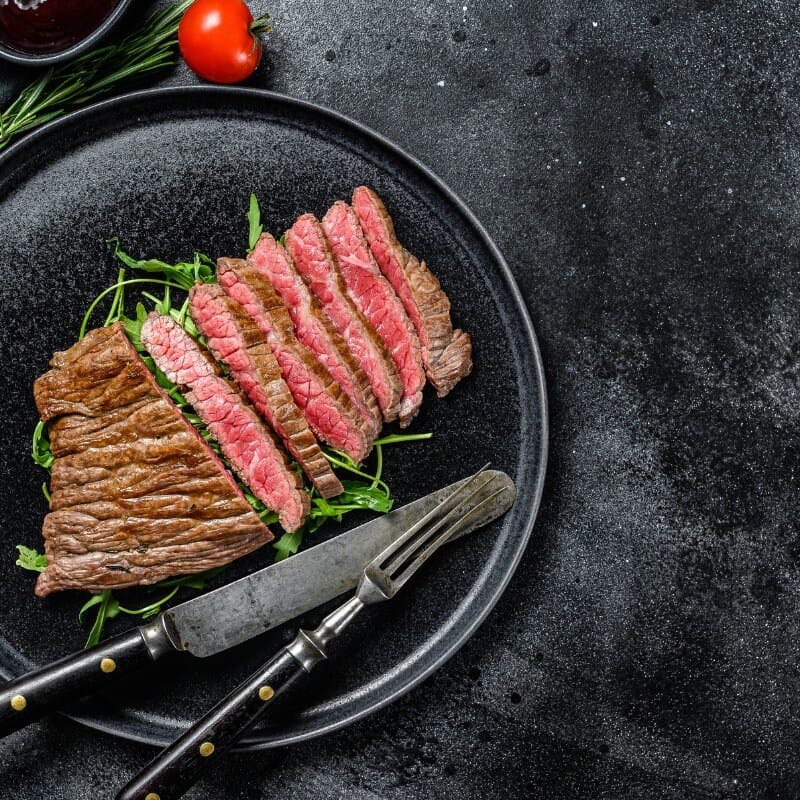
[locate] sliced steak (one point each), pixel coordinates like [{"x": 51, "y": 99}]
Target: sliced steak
[
  {"x": 309, "y": 249},
  {"x": 315, "y": 330},
  {"x": 375, "y": 298},
  {"x": 234, "y": 339},
  {"x": 243, "y": 438},
  {"x": 136, "y": 495},
  {"x": 446, "y": 354},
  {"x": 329, "y": 411}
]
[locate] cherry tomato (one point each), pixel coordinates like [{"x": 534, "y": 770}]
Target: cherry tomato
[{"x": 219, "y": 40}]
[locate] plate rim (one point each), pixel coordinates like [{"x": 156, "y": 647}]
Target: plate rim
[{"x": 526, "y": 330}]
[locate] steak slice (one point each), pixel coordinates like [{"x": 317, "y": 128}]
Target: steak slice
[
  {"x": 245, "y": 441},
  {"x": 309, "y": 249},
  {"x": 446, "y": 354},
  {"x": 315, "y": 330},
  {"x": 136, "y": 495},
  {"x": 329, "y": 411},
  {"x": 375, "y": 298},
  {"x": 234, "y": 339}
]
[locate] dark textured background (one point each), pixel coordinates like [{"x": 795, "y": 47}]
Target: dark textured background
[{"x": 637, "y": 163}]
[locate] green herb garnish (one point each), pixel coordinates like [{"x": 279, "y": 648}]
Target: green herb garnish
[
  {"x": 40, "y": 452},
  {"x": 254, "y": 221},
  {"x": 100, "y": 71},
  {"x": 31, "y": 559}
]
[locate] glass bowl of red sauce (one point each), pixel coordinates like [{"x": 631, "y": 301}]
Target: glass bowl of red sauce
[{"x": 41, "y": 32}]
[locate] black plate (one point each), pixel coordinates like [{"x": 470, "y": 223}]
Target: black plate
[{"x": 170, "y": 171}]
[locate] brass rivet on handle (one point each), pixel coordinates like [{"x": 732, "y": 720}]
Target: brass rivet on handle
[
  {"x": 152, "y": 796},
  {"x": 266, "y": 693},
  {"x": 206, "y": 749},
  {"x": 108, "y": 665},
  {"x": 18, "y": 702}
]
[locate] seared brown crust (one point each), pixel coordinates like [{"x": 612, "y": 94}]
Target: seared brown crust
[
  {"x": 137, "y": 496},
  {"x": 446, "y": 353}
]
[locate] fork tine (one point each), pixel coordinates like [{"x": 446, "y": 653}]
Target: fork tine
[
  {"x": 433, "y": 546},
  {"x": 398, "y": 543},
  {"x": 405, "y": 553}
]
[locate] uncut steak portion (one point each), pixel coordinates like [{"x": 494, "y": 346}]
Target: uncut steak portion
[
  {"x": 136, "y": 495},
  {"x": 314, "y": 329},
  {"x": 234, "y": 339},
  {"x": 243, "y": 438},
  {"x": 375, "y": 298},
  {"x": 329, "y": 411},
  {"x": 446, "y": 354},
  {"x": 311, "y": 253}
]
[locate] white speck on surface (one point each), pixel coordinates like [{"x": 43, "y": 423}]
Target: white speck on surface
[
  {"x": 594, "y": 24},
  {"x": 730, "y": 191},
  {"x": 669, "y": 122},
  {"x": 583, "y": 205},
  {"x": 440, "y": 84},
  {"x": 622, "y": 178}
]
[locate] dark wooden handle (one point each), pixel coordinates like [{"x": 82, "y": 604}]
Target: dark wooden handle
[
  {"x": 31, "y": 696},
  {"x": 179, "y": 766}
]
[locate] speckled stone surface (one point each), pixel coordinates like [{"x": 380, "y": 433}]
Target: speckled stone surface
[{"x": 637, "y": 164}]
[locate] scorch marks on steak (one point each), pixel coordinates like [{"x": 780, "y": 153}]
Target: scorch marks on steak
[
  {"x": 375, "y": 298},
  {"x": 243, "y": 438},
  {"x": 315, "y": 330},
  {"x": 309, "y": 249},
  {"x": 234, "y": 339},
  {"x": 329, "y": 411},
  {"x": 446, "y": 354},
  {"x": 136, "y": 495}
]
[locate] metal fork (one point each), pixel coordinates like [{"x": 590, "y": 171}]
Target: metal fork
[{"x": 177, "y": 767}]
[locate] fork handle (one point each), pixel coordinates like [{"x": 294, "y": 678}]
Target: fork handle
[{"x": 178, "y": 766}]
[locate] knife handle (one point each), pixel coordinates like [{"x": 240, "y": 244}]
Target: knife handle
[
  {"x": 31, "y": 696},
  {"x": 179, "y": 765}
]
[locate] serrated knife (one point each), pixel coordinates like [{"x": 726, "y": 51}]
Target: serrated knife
[{"x": 236, "y": 612}]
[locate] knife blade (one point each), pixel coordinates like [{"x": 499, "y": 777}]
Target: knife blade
[
  {"x": 240, "y": 610},
  {"x": 233, "y": 613}
]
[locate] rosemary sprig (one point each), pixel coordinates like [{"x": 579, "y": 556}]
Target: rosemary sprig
[{"x": 96, "y": 73}]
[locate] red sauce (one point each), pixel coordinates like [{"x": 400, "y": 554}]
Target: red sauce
[{"x": 47, "y": 26}]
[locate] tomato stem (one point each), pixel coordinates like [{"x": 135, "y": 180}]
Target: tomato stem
[{"x": 260, "y": 25}]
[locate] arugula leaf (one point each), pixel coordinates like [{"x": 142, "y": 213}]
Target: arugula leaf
[
  {"x": 288, "y": 544},
  {"x": 31, "y": 559},
  {"x": 108, "y": 608},
  {"x": 184, "y": 273},
  {"x": 254, "y": 220},
  {"x": 399, "y": 438},
  {"x": 133, "y": 327},
  {"x": 369, "y": 497},
  {"x": 40, "y": 451}
]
